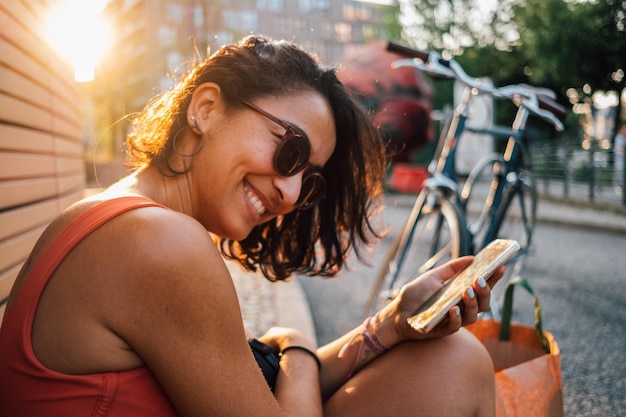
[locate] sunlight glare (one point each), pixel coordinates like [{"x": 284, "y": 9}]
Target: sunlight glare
[{"x": 78, "y": 32}]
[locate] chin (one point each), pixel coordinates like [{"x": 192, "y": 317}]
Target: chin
[{"x": 236, "y": 234}]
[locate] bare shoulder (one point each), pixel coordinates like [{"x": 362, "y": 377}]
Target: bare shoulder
[
  {"x": 179, "y": 311},
  {"x": 163, "y": 250},
  {"x": 150, "y": 287}
]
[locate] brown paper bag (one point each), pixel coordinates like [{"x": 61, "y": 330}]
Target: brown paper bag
[{"x": 527, "y": 362}]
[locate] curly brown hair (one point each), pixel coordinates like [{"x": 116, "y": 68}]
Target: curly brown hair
[{"x": 312, "y": 242}]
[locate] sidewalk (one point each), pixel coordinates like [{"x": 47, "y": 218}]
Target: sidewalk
[{"x": 265, "y": 304}]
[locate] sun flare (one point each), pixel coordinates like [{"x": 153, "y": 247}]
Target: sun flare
[{"x": 77, "y": 30}]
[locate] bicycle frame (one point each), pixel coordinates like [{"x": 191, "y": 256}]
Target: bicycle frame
[
  {"x": 440, "y": 201},
  {"x": 508, "y": 174}
]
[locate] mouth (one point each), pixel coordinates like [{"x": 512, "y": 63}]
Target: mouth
[{"x": 255, "y": 201}]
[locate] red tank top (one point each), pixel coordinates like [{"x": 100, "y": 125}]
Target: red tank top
[{"x": 28, "y": 388}]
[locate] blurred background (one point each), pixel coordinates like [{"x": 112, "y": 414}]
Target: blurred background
[
  {"x": 123, "y": 52},
  {"x": 73, "y": 71}
]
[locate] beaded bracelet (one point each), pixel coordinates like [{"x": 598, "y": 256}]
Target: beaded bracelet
[{"x": 303, "y": 349}]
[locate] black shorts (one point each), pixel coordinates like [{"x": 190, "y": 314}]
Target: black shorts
[{"x": 266, "y": 359}]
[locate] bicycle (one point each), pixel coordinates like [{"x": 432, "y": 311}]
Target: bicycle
[{"x": 442, "y": 224}]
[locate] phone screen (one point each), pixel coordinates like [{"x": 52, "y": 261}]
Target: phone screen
[{"x": 485, "y": 262}]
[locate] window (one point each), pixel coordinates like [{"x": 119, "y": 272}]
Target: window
[
  {"x": 343, "y": 32},
  {"x": 353, "y": 12},
  {"x": 288, "y": 24},
  {"x": 198, "y": 16},
  {"x": 175, "y": 13},
  {"x": 270, "y": 5},
  {"x": 167, "y": 35},
  {"x": 312, "y": 5},
  {"x": 247, "y": 20}
]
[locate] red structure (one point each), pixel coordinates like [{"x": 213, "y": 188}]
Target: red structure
[{"x": 400, "y": 100}]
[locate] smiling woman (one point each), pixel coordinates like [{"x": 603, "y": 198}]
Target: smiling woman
[
  {"x": 77, "y": 30},
  {"x": 125, "y": 306}
]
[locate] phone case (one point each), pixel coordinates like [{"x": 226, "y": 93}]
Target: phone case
[{"x": 485, "y": 262}]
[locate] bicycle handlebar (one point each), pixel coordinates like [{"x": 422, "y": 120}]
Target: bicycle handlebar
[
  {"x": 547, "y": 103},
  {"x": 539, "y": 101},
  {"x": 408, "y": 52}
]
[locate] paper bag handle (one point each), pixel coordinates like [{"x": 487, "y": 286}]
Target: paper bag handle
[{"x": 507, "y": 311}]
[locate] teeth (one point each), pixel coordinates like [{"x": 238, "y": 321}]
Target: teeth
[{"x": 256, "y": 203}]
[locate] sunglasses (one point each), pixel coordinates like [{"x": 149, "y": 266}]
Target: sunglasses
[{"x": 292, "y": 156}]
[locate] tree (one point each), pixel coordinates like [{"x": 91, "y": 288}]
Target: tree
[
  {"x": 558, "y": 44},
  {"x": 454, "y": 25},
  {"x": 569, "y": 44},
  {"x": 585, "y": 54}
]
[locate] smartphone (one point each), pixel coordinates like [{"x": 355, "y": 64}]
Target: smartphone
[{"x": 429, "y": 314}]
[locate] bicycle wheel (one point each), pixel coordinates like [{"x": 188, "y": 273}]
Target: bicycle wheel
[
  {"x": 517, "y": 214},
  {"x": 515, "y": 219},
  {"x": 477, "y": 197},
  {"x": 436, "y": 234}
]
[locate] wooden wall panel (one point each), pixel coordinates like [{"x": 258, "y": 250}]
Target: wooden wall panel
[{"x": 41, "y": 153}]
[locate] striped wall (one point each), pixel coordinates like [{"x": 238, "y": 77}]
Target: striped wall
[{"x": 41, "y": 155}]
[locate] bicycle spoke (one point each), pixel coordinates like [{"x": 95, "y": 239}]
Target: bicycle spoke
[{"x": 435, "y": 259}]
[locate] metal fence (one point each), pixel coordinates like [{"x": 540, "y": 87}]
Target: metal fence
[{"x": 571, "y": 172}]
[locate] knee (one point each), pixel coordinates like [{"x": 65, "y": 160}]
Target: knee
[
  {"x": 474, "y": 355},
  {"x": 459, "y": 357}
]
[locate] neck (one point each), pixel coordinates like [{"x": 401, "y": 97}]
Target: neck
[
  {"x": 171, "y": 191},
  {"x": 176, "y": 193}
]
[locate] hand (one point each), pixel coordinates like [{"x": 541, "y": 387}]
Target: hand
[
  {"x": 412, "y": 295},
  {"x": 281, "y": 337}
]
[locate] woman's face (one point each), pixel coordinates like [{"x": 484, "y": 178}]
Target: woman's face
[{"x": 235, "y": 182}]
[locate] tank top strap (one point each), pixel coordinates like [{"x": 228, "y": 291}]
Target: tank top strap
[
  {"x": 69, "y": 237},
  {"x": 84, "y": 225}
]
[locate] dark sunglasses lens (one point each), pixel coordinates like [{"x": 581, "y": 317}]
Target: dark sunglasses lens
[
  {"x": 312, "y": 191},
  {"x": 292, "y": 155}
]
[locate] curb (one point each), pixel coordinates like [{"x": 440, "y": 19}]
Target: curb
[
  {"x": 561, "y": 213},
  {"x": 292, "y": 308},
  {"x": 582, "y": 217},
  {"x": 266, "y": 304}
]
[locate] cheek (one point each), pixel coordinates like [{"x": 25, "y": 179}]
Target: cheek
[{"x": 238, "y": 158}]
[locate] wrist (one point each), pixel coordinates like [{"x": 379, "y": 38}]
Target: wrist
[
  {"x": 371, "y": 339},
  {"x": 382, "y": 327},
  {"x": 309, "y": 352}
]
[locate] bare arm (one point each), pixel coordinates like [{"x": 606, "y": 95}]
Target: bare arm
[{"x": 178, "y": 309}]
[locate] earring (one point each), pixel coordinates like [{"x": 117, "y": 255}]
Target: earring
[{"x": 197, "y": 130}]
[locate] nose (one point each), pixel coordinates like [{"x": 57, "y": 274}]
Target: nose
[{"x": 289, "y": 188}]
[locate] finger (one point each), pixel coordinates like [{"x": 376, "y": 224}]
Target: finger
[
  {"x": 470, "y": 306},
  {"x": 458, "y": 264},
  {"x": 496, "y": 275},
  {"x": 483, "y": 293},
  {"x": 451, "y": 268},
  {"x": 455, "y": 319}
]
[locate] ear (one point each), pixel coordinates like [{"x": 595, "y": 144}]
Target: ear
[{"x": 204, "y": 100}]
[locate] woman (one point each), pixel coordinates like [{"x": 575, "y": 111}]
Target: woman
[{"x": 131, "y": 311}]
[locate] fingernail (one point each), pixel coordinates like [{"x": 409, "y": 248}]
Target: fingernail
[
  {"x": 481, "y": 282},
  {"x": 470, "y": 292},
  {"x": 457, "y": 311}
]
